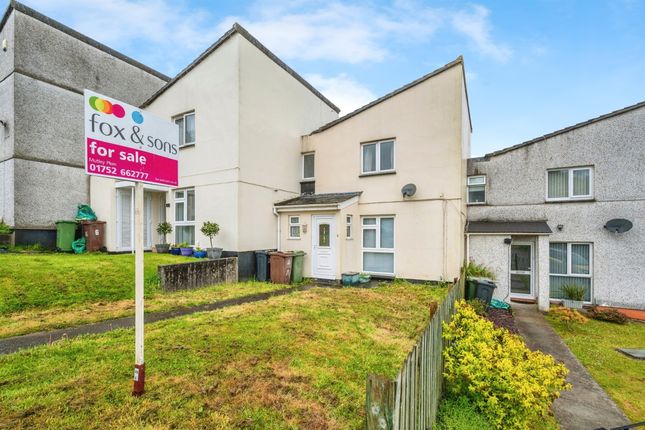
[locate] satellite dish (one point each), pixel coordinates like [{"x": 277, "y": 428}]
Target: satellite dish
[
  {"x": 619, "y": 225},
  {"x": 408, "y": 190}
]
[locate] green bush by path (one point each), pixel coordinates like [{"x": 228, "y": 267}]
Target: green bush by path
[
  {"x": 29, "y": 281},
  {"x": 459, "y": 413}
]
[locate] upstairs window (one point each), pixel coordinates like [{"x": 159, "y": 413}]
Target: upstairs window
[
  {"x": 186, "y": 123},
  {"x": 308, "y": 166},
  {"x": 569, "y": 184},
  {"x": 476, "y": 190},
  {"x": 377, "y": 157}
]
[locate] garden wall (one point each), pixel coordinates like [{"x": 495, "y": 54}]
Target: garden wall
[{"x": 188, "y": 276}]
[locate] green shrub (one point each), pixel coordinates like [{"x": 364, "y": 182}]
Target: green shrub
[
  {"x": 573, "y": 292},
  {"x": 478, "y": 305},
  {"x": 474, "y": 270},
  {"x": 510, "y": 384},
  {"x": 5, "y": 228},
  {"x": 609, "y": 315},
  {"x": 459, "y": 413}
]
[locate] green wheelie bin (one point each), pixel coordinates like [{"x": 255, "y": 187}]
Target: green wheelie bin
[
  {"x": 65, "y": 235},
  {"x": 296, "y": 268}
]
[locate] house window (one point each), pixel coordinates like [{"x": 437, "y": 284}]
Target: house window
[
  {"x": 308, "y": 164},
  {"x": 377, "y": 157},
  {"x": 185, "y": 216},
  {"x": 378, "y": 245},
  {"x": 348, "y": 226},
  {"x": 476, "y": 190},
  {"x": 186, "y": 123},
  {"x": 569, "y": 184},
  {"x": 294, "y": 227},
  {"x": 570, "y": 263}
]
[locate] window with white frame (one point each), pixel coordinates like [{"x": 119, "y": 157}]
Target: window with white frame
[
  {"x": 294, "y": 227},
  {"x": 348, "y": 226},
  {"x": 184, "y": 201},
  {"x": 186, "y": 123},
  {"x": 378, "y": 245},
  {"x": 377, "y": 157},
  {"x": 308, "y": 166},
  {"x": 570, "y": 264},
  {"x": 476, "y": 190},
  {"x": 574, "y": 183}
]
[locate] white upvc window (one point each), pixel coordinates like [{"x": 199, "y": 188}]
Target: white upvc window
[
  {"x": 348, "y": 226},
  {"x": 184, "y": 226},
  {"x": 377, "y": 157},
  {"x": 574, "y": 183},
  {"x": 378, "y": 245},
  {"x": 186, "y": 124},
  {"x": 294, "y": 227},
  {"x": 570, "y": 263},
  {"x": 477, "y": 190},
  {"x": 308, "y": 166}
]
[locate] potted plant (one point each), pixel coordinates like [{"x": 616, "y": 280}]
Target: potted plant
[
  {"x": 174, "y": 249},
  {"x": 6, "y": 235},
  {"x": 210, "y": 230},
  {"x": 186, "y": 249},
  {"x": 573, "y": 296},
  {"x": 163, "y": 228},
  {"x": 199, "y": 253}
]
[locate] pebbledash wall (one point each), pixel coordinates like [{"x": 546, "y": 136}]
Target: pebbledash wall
[
  {"x": 613, "y": 146},
  {"x": 43, "y": 72}
]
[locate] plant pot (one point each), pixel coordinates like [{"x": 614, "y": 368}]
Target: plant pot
[
  {"x": 175, "y": 251},
  {"x": 199, "y": 254},
  {"x": 186, "y": 252},
  {"x": 162, "y": 248},
  {"x": 214, "y": 253},
  {"x": 573, "y": 304}
]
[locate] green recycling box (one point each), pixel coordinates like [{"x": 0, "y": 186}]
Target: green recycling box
[
  {"x": 65, "y": 235},
  {"x": 296, "y": 268}
]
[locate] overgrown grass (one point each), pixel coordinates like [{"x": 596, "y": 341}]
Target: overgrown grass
[
  {"x": 296, "y": 361},
  {"x": 45, "y": 281},
  {"x": 595, "y": 343},
  {"x": 33, "y": 320},
  {"x": 460, "y": 414}
]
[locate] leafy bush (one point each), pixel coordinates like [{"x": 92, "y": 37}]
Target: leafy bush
[
  {"x": 609, "y": 315},
  {"x": 5, "y": 228},
  {"x": 459, "y": 413},
  {"x": 573, "y": 292},
  {"x": 478, "y": 305},
  {"x": 510, "y": 384},
  {"x": 474, "y": 270},
  {"x": 568, "y": 316}
]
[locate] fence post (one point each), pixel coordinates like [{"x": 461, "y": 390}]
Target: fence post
[{"x": 381, "y": 391}]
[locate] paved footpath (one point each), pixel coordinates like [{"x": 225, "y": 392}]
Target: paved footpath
[
  {"x": 13, "y": 344},
  {"x": 586, "y": 406}
]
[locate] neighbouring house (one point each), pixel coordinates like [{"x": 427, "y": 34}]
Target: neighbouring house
[
  {"x": 537, "y": 212},
  {"x": 384, "y": 186},
  {"x": 44, "y": 68}
]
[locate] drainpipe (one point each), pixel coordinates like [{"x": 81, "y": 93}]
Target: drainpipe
[
  {"x": 275, "y": 212},
  {"x": 445, "y": 240}
]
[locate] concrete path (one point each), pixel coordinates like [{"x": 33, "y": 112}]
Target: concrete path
[
  {"x": 586, "y": 406},
  {"x": 13, "y": 344}
]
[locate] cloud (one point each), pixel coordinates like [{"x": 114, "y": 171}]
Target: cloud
[
  {"x": 475, "y": 24},
  {"x": 345, "y": 92}
]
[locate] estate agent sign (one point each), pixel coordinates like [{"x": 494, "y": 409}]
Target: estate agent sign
[{"x": 124, "y": 142}]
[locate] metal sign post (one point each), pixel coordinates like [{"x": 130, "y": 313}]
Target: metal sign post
[{"x": 125, "y": 143}]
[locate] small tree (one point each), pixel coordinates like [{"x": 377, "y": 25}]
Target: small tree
[
  {"x": 210, "y": 230},
  {"x": 164, "y": 228}
]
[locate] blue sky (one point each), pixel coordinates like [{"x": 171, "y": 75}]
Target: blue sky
[{"x": 532, "y": 67}]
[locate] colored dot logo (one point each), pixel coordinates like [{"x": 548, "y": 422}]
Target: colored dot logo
[
  {"x": 104, "y": 106},
  {"x": 137, "y": 117}
]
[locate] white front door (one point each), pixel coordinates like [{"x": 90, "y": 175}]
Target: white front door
[
  {"x": 323, "y": 253},
  {"x": 522, "y": 270}
]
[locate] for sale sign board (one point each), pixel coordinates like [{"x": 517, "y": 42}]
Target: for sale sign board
[{"x": 124, "y": 142}]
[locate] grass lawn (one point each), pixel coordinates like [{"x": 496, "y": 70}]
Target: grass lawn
[
  {"x": 594, "y": 344},
  {"x": 296, "y": 361}
]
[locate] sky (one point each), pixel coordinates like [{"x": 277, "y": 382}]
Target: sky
[{"x": 532, "y": 67}]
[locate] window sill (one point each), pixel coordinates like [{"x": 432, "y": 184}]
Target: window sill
[
  {"x": 585, "y": 200},
  {"x": 389, "y": 172},
  {"x": 293, "y": 238},
  {"x": 188, "y": 145},
  {"x": 307, "y": 181},
  {"x": 476, "y": 204}
]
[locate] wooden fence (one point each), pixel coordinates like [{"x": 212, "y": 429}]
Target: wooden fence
[{"x": 410, "y": 401}]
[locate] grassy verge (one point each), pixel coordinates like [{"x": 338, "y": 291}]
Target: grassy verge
[
  {"x": 46, "y": 281},
  {"x": 296, "y": 361},
  {"x": 33, "y": 320},
  {"x": 594, "y": 343}
]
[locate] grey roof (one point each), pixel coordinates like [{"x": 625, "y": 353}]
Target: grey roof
[
  {"x": 510, "y": 227},
  {"x": 563, "y": 130},
  {"x": 15, "y": 5},
  {"x": 457, "y": 61},
  {"x": 319, "y": 199},
  {"x": 237, "y": 28}
]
